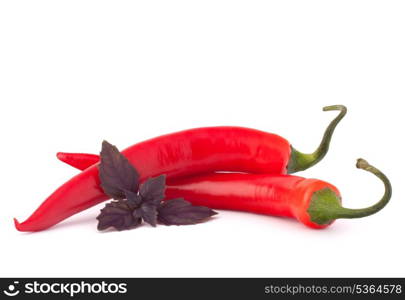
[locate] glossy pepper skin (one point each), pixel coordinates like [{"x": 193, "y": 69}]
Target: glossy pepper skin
[
  {"x": 276, "y": 195},
  {"x": 185, "y": 153}
]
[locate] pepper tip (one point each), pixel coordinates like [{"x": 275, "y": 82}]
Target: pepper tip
[{"x": 17, "y": 224}]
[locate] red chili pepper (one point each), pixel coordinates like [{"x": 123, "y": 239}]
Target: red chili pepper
[
  {"x": 185, "y": 153},
  {"x": 315, "y": 203}
]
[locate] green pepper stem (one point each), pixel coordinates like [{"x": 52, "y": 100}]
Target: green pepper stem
[
  {"x": 325, "y": 204},
  {"x": 301, "y": 161},
  {"x": 349, "y": 213}
]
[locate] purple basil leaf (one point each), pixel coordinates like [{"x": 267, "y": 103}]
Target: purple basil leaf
[
  {"x": 149, "y": 213},
  {"x": 137, "y": 213},
  {"x": 116, "y": 172},
  {"x": 133, "y": 199},
  {"x": 118, "y": 215},
  {"x": 181, "y": 212},
  {"x": 153, "y": 189}
]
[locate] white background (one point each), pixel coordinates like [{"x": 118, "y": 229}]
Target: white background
[{"x": 73, "y": 73}]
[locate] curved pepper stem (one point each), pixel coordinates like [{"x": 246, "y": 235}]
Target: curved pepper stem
[
  {"x": 325, "y": 204},
  {"x": 302, "y": 161}
]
